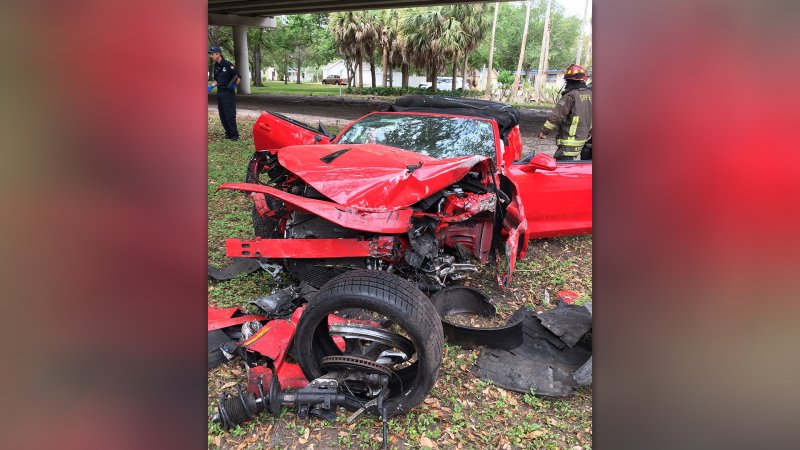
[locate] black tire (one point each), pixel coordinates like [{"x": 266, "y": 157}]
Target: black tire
[{"x": 397, "y": 299}]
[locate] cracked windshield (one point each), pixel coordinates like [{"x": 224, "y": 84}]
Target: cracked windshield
[{"x": 438, "y": 137}]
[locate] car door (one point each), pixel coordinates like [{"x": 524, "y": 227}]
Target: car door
[
  {"x": 557, "y": 199},
  {"x": 273, "y": 131}
]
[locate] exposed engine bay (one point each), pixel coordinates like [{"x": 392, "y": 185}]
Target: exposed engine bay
[{"x": 433, "y": 241}]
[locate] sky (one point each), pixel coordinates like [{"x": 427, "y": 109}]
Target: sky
[{"x": 575, "y": 7}]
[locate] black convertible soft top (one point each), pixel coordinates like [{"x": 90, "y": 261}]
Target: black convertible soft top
[{"x": 506, "y": 116}]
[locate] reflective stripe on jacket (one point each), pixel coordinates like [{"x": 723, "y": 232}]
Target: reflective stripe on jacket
[{"x": 572, "y": 116}]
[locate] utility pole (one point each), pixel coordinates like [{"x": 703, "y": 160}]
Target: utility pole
[
  {"x": 522, "y": 47},
  {"x": 580, "y": 37},
  {"x": 491, "y": 52},
  {"x": 541, "y": 74}
]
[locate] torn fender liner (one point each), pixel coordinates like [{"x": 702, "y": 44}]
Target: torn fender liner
[
  {"x": 568, "y": 322},
  {"x": 464, "y": 299},
  {"x": 583, "y": 376},
  {"x": 537, "y": 364},
  {"x": 215, "y": 356},
  {"x": 236, "y": 267},
  {"x": 397, "y": 221}
]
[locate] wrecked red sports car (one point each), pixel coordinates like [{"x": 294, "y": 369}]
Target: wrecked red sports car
[
  {"x": 400, "y": 202},
  {"x": 424, "y": 190}
]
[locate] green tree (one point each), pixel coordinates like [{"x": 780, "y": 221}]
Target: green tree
[
  {"x": 298, "y": 41},
  {"x": 474, "y": 22},
  {"x": 344, "y": 26},
  {"x": 423, "y": 31},
  {"x": 510, "y": 22},
  {"x": 357, "y": 38}
]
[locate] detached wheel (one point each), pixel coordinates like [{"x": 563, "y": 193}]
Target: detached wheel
[{"x": 379, "y": 317}]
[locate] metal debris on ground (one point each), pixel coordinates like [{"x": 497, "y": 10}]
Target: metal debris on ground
[{"x": 239, "y": 266}]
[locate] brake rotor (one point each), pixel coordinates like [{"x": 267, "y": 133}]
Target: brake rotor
[
  {"x": 379, "y": 336},
  {"x": 354, "y": 363}
]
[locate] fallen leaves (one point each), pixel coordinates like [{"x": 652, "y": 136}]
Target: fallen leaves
[
  {"x": 426, "y": 443},
  {"x": 304, "y": 438},
  {"x": 246, "y": 442}
]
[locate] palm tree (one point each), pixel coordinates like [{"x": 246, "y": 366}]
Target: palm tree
[
  {"x": 473, "y": 24},
  {"x": 344, "y": 26},
  {"x": 387, "y": 26},
  {"x": 368, "y": 38},
  {"x": 400, "y": 56},
  {"x": 422, "y": 31},
  {"x": 452, "y": 41}
]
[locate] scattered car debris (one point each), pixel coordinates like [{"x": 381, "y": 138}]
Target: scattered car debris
[
  {"x": 567, "y": 297},
  {"x": 272, "y": 269},
  {"x": 569, "y": 322},
  {"x": 465, "y": 299},
  {"x": 368, "y": 340},
  {"x": 239, "y": 266},
  {"x": 543, "y": 362},
  {"x": 232, "y": 270},
  {"x": 225, "y": 324},
  {"x": 282, "y": 303}
]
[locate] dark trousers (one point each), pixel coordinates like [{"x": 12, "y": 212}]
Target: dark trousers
[
  {"x": 560, "y": 156},
  {"x": 226, "y": 102}
]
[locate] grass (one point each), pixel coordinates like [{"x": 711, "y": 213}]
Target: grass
[
  {"x": 292, "y": 88},
  {"x": 461, "y": 411}
]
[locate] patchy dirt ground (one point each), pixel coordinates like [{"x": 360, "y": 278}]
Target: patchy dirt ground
[
  {"x": 462, "y": 411},
  {"x": 336, "y": 112}
]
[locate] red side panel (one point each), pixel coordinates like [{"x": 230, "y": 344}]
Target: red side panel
[
  {"x": 273, "y": 131},
  {"x": 388, "y": 222},
  {"x": 558, "y": 202}
]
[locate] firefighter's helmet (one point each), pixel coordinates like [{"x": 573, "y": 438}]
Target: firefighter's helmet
[{"x": 576, "y": 72}]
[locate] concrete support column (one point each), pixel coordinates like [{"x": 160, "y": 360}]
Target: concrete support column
[{"x": 240, "y": 57}]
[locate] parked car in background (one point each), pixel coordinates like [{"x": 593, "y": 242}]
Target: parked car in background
[
  {"x": 444, "y": 83},
  {"x": 335, "y": 79}
]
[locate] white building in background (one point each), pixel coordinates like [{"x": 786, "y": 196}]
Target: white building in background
[{"x": 339, "y": 68}]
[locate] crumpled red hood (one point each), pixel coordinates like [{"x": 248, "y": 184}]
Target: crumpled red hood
[{"x": 374, "y": 177}]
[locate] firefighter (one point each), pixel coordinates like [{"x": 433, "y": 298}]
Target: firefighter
[
  {"x": 225, "y": 80},
  {"x": 572, "y": 115}
]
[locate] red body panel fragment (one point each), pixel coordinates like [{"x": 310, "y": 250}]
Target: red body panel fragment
[
  {"x": 390, "y": 222},
  {"x": 219, "y": 318}
]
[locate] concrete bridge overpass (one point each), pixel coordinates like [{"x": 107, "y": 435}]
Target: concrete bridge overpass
[{"x": 243, "y": 14}]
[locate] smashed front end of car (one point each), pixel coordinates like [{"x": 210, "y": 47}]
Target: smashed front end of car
[{"x": 324, "y": 209}]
